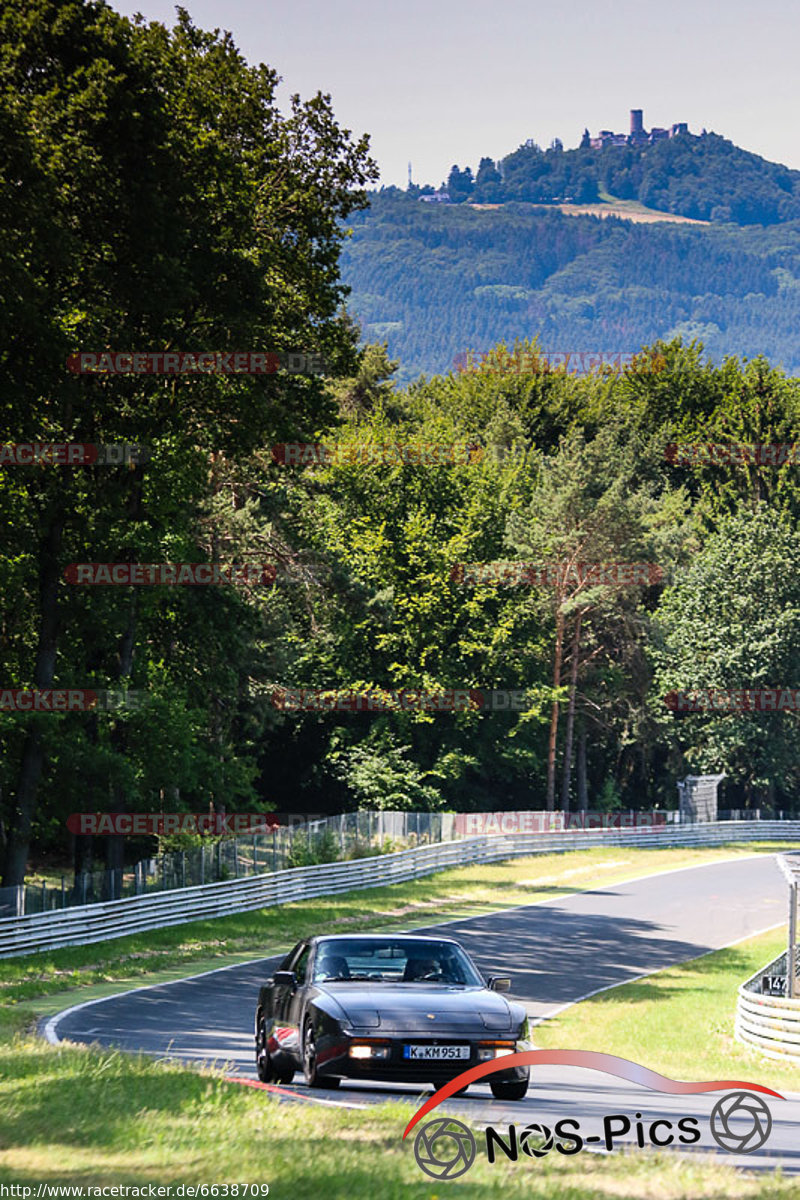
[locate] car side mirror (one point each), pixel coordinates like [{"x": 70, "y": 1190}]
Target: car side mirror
[
  {"x": 499, "y": 983},
  {"x": 285, "y": 979}
]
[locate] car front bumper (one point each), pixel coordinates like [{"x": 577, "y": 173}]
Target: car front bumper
[{"x": 335, "y": 1057}]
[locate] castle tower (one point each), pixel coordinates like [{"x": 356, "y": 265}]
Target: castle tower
[{"x": 637, "y": 128}]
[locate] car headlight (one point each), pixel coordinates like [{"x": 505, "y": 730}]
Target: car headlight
[{"x": 367, "y": 1050}]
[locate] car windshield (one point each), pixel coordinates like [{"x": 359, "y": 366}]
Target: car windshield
[{"x": 394, "y": 961}]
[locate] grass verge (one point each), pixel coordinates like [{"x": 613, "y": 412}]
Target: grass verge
[
  {"x": 78, "y": 1116},
  {"x": 678, "y": 1021}
]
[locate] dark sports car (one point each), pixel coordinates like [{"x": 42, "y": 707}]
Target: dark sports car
[{"x": 393, "y": 1007}]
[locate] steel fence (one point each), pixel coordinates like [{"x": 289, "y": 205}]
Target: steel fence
[
  {"x": 328, "y": 839},
  {"x": 115, "y": 918}
]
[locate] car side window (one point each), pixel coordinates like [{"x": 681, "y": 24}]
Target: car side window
[
  {"x": 301, "y": 965},
  {"x": 286, "y": 965}
]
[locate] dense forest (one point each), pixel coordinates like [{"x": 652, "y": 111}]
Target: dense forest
[
  {"x": 366, "y": 544},
  {"x": 435, "y": 280},
  {"x": 372, "y": 600}
]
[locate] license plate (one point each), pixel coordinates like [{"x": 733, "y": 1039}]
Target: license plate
[{"x": 439, "y": 1052}]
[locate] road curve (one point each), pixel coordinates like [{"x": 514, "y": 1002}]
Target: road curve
[{"x": 557, "y": 951}]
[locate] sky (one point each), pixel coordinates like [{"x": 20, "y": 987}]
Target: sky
[{"x": 438, "y": 82}]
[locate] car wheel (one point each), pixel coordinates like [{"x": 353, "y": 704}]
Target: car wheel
[
  {"x": 511, "y": 1089},
  {"x": 265, "y": 1068},
  {"x": 313, "y": 1077}
]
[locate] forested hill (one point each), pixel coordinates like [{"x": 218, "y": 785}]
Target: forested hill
[
  {"x": 433, "y": 280},
  {"x": 705, "y": 178}
]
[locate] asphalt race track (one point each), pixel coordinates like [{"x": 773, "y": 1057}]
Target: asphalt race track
[{"x": 556, "y": 951}]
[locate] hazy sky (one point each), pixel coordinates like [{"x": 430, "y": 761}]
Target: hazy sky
[{"x": 438, "y": 82}]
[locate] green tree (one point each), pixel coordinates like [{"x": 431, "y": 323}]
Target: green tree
[
  {"x": 588, "y": 508},
  {"x": 168, "y": 203},
  {"x": 732, "y": 621}
]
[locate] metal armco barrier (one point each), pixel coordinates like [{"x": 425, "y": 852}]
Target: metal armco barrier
[
  {"x": 116, "y": 918},
  {"x": 770, "y": 1023}
]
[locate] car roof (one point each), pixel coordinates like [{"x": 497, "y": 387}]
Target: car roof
[{"x": 379, "y": 937}]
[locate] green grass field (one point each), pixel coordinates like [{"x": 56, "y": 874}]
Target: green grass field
[{"x": 75, "y": 1115}]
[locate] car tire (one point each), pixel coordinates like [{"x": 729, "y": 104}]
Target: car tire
[
  {"x": 265, "y": 1068},
  {"x": 313, "y": 1077},
  {"x": 509, "y": 1089}
]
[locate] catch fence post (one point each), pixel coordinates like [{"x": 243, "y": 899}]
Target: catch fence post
[{"x": 791, "y": 956}]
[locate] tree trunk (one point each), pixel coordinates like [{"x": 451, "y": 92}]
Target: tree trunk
[
  {"x": 115, "y": 844},
  {"x": 32, "y": 760},
  {"x": 573, "y": 688},
  {"x": 82, "y": 863},
  {"x": 582, "y": 791},
  {"x": 551, "y": 749}
]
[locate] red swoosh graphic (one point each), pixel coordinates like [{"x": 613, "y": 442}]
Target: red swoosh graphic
[{"x": 591, "y": 1059}]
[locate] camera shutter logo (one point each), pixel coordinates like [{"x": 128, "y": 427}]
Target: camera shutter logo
[
  {"x": 444, "y": 1148},
  {"x": 536, "y": 1140},
  {"x": 740, "y": 1123}
]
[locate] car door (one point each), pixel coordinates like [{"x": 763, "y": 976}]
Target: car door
[{"x": 288, "y": 1001}]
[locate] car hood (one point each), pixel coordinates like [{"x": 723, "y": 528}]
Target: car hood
[{"x": 422, "y": 1008}]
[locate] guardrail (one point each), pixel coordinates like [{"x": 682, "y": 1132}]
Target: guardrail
[
  {"x": 770, "y": 1023},
  {"x": 137, "y": 914},
  {"x": 768, "y": 1006}
]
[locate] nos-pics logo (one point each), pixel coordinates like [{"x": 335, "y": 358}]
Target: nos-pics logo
[{"x": 446, "y": 1148}]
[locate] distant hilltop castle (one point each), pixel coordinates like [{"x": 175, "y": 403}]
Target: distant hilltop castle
[{"x": 638, "y": 136}]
